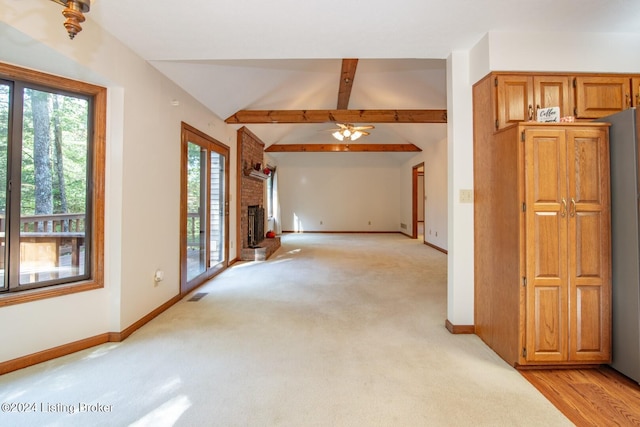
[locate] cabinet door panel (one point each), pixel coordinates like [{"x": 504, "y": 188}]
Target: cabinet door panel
[
  {"x": 589, "y": 338},
  {"x": 548, "y": 249},
  {"x": 515, "y": 100},
  {"x": 549, "y": 343},
  {"x": 585, "y": 167},
  {"x": 546, "y": 244},
  {"x": 601, "y": 96},
  {"x": 589, "y": 245},
  {"x": 552, "y": 91}
]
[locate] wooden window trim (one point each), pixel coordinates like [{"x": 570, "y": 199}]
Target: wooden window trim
[{"x": 99, "y": 95}]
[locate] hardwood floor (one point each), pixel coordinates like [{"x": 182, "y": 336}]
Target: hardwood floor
[{"x": 590, "y": 397}]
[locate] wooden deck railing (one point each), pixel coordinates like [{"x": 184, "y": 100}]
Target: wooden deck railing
[{"x": 63, "y": 233}]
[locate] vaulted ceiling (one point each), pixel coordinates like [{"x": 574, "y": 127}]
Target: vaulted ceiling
[{"x": 288, "y": 54}]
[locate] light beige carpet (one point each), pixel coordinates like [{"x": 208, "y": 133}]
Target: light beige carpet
[{"x": 333, "y": 330}]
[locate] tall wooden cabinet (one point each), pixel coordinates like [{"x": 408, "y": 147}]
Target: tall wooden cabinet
[{"x": 542, "y": 239}]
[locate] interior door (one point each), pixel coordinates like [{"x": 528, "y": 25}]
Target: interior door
[{"x": 204, "y": 208}]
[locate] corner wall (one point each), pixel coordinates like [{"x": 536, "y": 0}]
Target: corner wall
[{"x": 142, "y": 178}]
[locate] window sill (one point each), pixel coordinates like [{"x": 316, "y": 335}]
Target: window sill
[{"x": 23, "y": 297}]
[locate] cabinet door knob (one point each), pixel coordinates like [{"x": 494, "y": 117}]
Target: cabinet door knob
[
  {"x": 530, "y": 112},
  {"x": 563, "y": 212}
]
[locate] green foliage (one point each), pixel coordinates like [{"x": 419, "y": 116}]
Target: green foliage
[{"x": 72, "y": 114}]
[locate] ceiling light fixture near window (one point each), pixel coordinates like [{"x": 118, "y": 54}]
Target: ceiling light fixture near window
[{"x": 74, "y": 11}]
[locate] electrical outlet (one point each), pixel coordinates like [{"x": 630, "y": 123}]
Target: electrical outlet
[
  {"x": 369, "y": 222},
  {"x": 320, "y": 222}
]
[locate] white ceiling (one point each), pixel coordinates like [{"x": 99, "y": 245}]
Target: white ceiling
[{"x": 286, "y": 54}]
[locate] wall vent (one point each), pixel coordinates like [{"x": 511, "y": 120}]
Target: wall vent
[{"x": 403, "y": 225}]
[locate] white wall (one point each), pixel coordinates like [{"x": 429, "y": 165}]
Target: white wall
[
  {"x": 460, "y": 296},
  {"x": 436, "y": 220},
  {"x": 344, "y": 191},
  {"x": 579, "y": 52},
  {"x": 142, "y": 177}
]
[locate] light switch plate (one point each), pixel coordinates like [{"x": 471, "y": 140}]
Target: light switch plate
[{"x": 466, "y": 196}]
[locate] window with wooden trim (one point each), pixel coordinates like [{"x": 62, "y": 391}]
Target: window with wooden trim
[{"x": 51, "y": 185}]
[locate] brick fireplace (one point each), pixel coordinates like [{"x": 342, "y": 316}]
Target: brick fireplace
[{"x": 252, "y": 190}]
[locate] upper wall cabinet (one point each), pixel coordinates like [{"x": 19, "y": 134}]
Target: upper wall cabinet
[
  {"x": 517, "y": 97},
  {"x": 598, "y": 96},
  {"x": 520, "y": 96}
]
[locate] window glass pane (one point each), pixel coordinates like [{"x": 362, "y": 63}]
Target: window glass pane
[
  {"x": 4, "y": 149},
  {"x": 53, "y": 191},
  {"x": 270, "y": 196},
  {"x": 196, "y": 210},
  {"x": 217, "y": 209}
]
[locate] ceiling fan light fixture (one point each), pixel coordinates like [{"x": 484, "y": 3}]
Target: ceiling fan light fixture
[
  {"x": 337, "y": 135},
  {"x": 350, "y": 132}
]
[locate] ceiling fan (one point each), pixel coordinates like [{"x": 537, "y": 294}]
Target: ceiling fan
[{"x": 350, "y": 132}]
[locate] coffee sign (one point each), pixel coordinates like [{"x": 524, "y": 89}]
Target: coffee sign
[{"x": 549, "y": 115}]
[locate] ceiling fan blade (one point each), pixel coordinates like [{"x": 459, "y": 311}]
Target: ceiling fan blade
[{"x": 363, "y": 127}]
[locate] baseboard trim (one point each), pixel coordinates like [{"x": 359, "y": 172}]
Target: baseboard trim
[
  {"x": 438, "y": 248},
  {"x": 120, "y": 336},
  {"x": 73, "y": 347},
  {"x": 52, "y": 353},
  {"x": 460, "y": 329},
  {"x": 342, "y": 232}
]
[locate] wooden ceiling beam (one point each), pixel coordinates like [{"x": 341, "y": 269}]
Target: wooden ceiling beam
[
  {"x": 333, "y": 116},
  {"x": 347, "y": 75},
  {"x": 355, "y": 147}
]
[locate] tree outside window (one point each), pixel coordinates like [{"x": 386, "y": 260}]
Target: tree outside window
[{"x": 51, "y": 181}]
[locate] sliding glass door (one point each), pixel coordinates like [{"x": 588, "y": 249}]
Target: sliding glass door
[{"x": 205, "y": 219}]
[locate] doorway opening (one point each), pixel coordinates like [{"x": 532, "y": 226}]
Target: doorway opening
[{"x": 419, "y": 199}]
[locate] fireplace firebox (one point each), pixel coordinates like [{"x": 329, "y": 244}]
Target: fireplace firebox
[{"x": 255, "y": 228}]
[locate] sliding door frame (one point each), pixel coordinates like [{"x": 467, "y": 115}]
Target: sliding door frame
[{"x": 190, "y": 134}]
